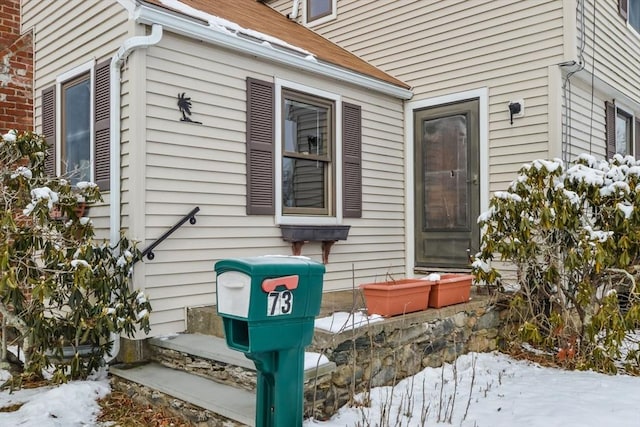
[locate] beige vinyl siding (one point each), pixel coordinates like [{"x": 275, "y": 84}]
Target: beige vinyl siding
[
  {"x": 283, "y": 6},
  {"x": 617, "y": 48},
  {"x": 444, "y": 47},
  {"x": 586, "y": 131},
  {"x": 612, "y": 55},
  {"x": 68, "y": 34},
  {"x": 190, "y": 165}
]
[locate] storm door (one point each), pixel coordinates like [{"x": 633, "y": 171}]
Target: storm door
[{"x": 447, "y": 185}]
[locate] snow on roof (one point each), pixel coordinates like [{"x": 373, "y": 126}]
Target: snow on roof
[
  {"x": 229, "y": 27},
  {"x": 254, "y": 21}
]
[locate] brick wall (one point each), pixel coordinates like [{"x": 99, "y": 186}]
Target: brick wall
[{"x": 16, "y": 70}]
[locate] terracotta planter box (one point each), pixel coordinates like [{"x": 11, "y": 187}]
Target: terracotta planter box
[
  {"x": 56, "y": 212},
  {"x": 450, "y": 289},
  {"x": 396, "y": 297}
]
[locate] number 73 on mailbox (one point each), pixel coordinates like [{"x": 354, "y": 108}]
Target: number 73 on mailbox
[{"x": 280, "y": 303}]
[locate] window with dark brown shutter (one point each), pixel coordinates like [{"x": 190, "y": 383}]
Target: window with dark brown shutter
[
  {"x": 49, "y": 128},
  {"x": 619, "y": 126},
  {"x": 352, "y": 160},
  {"x": 610, "y": 128},
  {"x": 307, "y": 153},
  {"x": 102, "y": 126},
  {"x": 75, "y": 119},
  {"x": 260, "y": 147}
]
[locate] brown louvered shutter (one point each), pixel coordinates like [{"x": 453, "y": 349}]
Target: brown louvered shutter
[
  {"x": 260, "y": 147},
  {"x": 49, "y": 128},
  {"x": 623, "y": 8},
  {"x": 610, "y": 128},
  {"x": 101, "y": 127},
  {"x": 636, "y": 137},
  {"x": 351, "y": 161}
]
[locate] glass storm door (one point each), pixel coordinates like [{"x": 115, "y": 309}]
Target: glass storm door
[{"x": 447, "y": 185}]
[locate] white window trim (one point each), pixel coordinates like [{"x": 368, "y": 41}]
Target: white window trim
[
  {"x": 319, "y": 21},
  {"x": 60, "y": 80},
  {"x": 337, "y": 161},
  {"x": 410, "y": 106}
]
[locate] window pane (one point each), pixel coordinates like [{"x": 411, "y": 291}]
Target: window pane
[
  {"x": 307, "y": 147},
  {"x": 634, "y": 14},
  {"x": 446, "y": 190},
  {"x": 305, "y": 128},
  {"x": 77, "y": 139},
  {"x": 318, "y": 8},
  {"x": 623, "y": 133},
  {"x": 303, "y": 183}
]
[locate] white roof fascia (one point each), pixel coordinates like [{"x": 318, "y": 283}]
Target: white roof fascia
[{"x": 148, "y": 15}]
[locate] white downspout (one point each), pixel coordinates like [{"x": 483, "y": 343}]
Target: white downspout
[
  {"x": 117, "y": 60},
  {"x": 114, "y": 85},
  {"x": 294, "y": 10}
]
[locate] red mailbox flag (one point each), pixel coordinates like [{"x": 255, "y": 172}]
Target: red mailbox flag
[{"x": 289, "y": 282}]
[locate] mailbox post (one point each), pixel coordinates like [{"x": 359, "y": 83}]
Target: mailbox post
[{"x": 268, "y": 307}]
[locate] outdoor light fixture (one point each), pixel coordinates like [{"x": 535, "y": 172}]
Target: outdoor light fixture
[{"x": 516, "y": 108}]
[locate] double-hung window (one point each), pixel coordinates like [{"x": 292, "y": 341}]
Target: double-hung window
[
  {"x": 307, "y": 154},
  {"x": 623, "y": 132},
  {"x": 75, "y": 144},
  {"x": 304, "y": 162},
  {"x": 76, "y": 125}
]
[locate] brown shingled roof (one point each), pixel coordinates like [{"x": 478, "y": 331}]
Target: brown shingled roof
[{"x": 255, "y": 15}]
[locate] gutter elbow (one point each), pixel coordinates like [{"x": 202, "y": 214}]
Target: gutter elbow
[{"x": 133, "y": 43}]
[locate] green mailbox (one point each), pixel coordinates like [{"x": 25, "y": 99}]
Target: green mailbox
[{"x": 268, "y": 305}]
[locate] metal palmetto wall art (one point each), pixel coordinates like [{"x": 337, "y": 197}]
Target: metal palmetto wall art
[{"x": 184, "y": 104}]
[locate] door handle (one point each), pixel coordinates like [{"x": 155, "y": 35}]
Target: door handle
[{"x": 474, "y": 179}]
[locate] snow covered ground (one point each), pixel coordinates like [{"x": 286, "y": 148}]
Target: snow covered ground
[
  {"x": 67, "y": 405},
  {"x": 494, "y": 390},
  {"x": 490, "y": 389}
]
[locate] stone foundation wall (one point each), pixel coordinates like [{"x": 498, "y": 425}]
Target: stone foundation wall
[{"x": 383, "y": 353}]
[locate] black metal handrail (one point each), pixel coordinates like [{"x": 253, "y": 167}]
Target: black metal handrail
[{"x": 191, "y": 217}]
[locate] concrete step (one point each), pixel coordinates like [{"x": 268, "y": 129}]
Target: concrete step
[
  {"x": 211, "y": 381},
  {"x": 215, "y": 349},
  {"x": 203, "y": 346},
  {"x": 229, "y": 402}
]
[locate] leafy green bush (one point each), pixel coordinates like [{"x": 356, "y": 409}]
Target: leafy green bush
[
  {"x": 60, "y": 289},
  {"x": 573, "y": 236}
]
